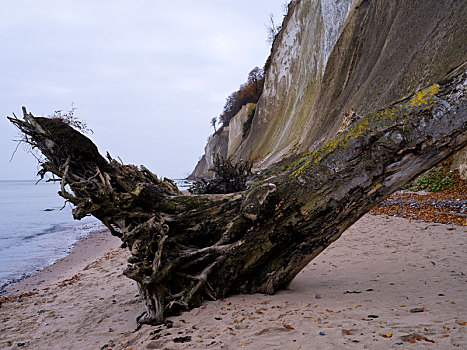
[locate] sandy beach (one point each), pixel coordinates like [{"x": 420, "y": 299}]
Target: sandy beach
[{"x": 388, "y": 283}]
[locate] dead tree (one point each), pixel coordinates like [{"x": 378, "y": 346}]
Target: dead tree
[
  {"x": 185, "y": 249},
  {"x": 229, "y": 177}
]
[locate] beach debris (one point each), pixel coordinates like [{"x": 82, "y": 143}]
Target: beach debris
[
  {"x": 346, "y": 332},
  {"x": 317, "y": 296},
  {"x": 20, "y": 344},
  {"x": 287, "y": 326},
  {"x": 439, "y": 207},
  {"x": 393, "y": 309},
  {"x": 388, "y": 335},
  {"x": 415, "y": 310},
  {"x": 352, "y": 292},
  {"x": 9, "y": 343},
  {"x": 16, "y": 297},
  {"x": 369, "y": 290},
  {"x": 372, "y": 316},
  {"x": 69, "y": 281},
  {"x": 101, "y": 298},
  {"x": 322, "y": 333},
  {"x": 414, "y": 337},
  {"x": 108, "y": 346},
  {"x": 457, "y": 274},
  {"x": 462, "y": 323},
  {"x": 185, "y": 339},
  {"x": 399, "y": 343}
]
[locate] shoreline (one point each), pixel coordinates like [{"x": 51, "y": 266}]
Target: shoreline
[
  {"x": 84, "y": 251},
  {"x": 359, "y": 293}
]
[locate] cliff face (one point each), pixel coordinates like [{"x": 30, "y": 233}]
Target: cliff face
[
  {"x": 236, "y": 128},
  {"x": 299, "y": 57},
  {"x": 337, "y": 59},
  {"x": 386, "y": 50},
  {"x": 217, "y": 144},
  {"x": 224, "y": 142}
]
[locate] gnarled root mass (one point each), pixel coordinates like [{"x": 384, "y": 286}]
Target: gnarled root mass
[
  {"x": 229, "y": 177},
  {"x": 185, "y": 249}
]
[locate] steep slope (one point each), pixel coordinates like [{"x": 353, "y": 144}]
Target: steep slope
[
  {"x": 337, "y": 59},
  {"x": 217, "y": 144},
  {"x": 299, "y": 56},
  {"x": 386, "y": 50}
]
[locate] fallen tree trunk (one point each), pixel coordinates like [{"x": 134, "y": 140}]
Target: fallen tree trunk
[{"x": 185, "y": 249}]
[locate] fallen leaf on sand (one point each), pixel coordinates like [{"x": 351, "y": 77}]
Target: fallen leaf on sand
[{"x": 413, "y": 338}]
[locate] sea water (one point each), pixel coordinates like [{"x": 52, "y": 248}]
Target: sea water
[{"x": 36, "y": 228}]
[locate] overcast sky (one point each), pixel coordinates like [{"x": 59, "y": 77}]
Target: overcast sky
[{"x": 147, "y": 76}]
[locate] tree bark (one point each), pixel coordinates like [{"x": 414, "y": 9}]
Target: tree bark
[{"x": 185, "y": 249}]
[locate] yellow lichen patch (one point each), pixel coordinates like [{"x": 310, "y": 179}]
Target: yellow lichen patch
[
  {"x": 388, "y": 116},
  {"x": 424, "y": 96}
]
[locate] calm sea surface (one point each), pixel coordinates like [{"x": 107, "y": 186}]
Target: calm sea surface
[{"x": 34, "y": 231}]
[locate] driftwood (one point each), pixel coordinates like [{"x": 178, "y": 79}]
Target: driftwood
[
  {"x": 185, "y": 249},
  {"x": 229, "y": 177}
]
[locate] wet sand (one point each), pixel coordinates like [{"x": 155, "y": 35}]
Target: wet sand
[{"x": 388, "y": 283}]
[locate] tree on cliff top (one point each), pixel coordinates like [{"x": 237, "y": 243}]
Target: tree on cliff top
[
  {"x": 248, "y": 92},
  {"x": 185, "y": 249}
]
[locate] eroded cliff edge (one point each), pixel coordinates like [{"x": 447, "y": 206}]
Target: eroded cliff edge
[{"x": 337, "y": 59}]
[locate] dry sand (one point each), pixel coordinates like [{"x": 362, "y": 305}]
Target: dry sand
[{"x": 358, "y": 294}]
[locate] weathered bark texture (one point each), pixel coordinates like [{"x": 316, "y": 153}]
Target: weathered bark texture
[{"x": 188, "y": 248}]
